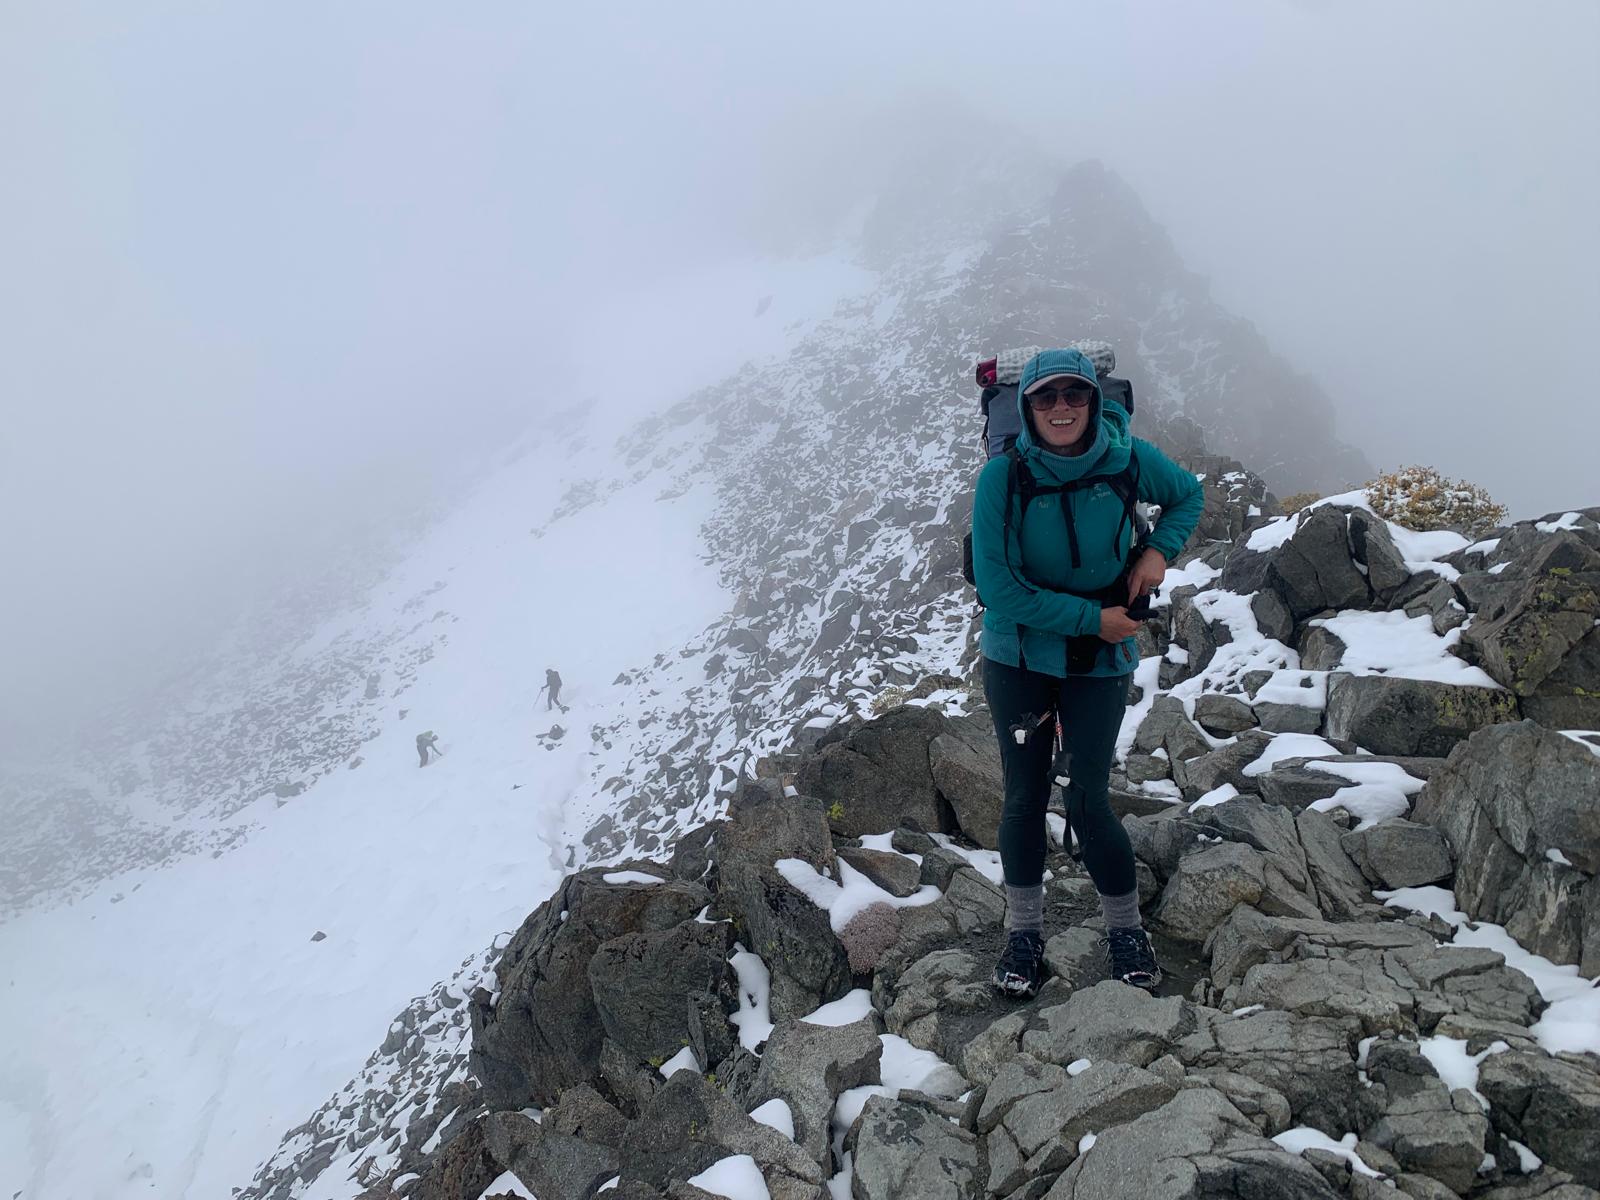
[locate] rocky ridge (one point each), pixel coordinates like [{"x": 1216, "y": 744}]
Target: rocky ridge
[{"x": 818, "y": 957}]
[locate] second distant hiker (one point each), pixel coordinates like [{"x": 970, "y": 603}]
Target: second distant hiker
[
  {"x": 427, "y": 741},
  {"x": 552, "y": 688}
]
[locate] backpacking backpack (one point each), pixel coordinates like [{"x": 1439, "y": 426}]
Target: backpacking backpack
[
  {"x": 998, "y": 378},
  {"x": 1002, "y": 422}
]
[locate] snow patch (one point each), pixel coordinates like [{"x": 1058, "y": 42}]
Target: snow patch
[
  {"x": 1391, "y": 643},
  {"x": 847, "y": 1009},
  {"x": 851, "y": 894},
  {"x": 737, "y": 1177},
  {"x": 1302, "y": 1138},
  {"x": 777, "y": 1114},
  {"x": 754, "y": 1018},
  {"x": 630, "y": 877}
]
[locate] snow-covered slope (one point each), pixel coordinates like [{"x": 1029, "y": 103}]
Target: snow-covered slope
[{"x": 179, "y": 1016}]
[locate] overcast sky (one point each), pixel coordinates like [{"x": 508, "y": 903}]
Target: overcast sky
[{"x": 267, "y": 270}]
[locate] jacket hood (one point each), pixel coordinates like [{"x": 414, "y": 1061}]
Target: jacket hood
[{"x": 1108, "y": 424}]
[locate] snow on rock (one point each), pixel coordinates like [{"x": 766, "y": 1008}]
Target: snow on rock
[
  {"x": 905, "y": 1066},
  {"x": 1572, "y": 1020},
  {"x": 1456, "y": 1067},
  {"x": 737, "y": 1177},
  {"x": 504, "y": 1184},
  {"x": 683, "y": 1060},
  {"x": 850, "y": 1007},
  {"x": 754, "y": 1018},
  {"x": 1302, "y": 1138},
  {"x": 850, "y": 895},
  {"x": 777, "y": 1114},
  {"x": 1391, "y": 643},
  {"x": 1217, "y": 795},
  {"x": 630, "y": 877}
]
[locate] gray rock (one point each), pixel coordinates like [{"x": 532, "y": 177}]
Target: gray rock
[
  {"x": 1167, "y": 727},
  {"x": 1222, "y": 716},
  {"x": 1398, "y": 853},
  {"x": 983, "y": 1055},
  {"x": 1249, "y": 937},
  {"x": 1109, "y": 1021},
  {"x": 975, "y": 902},
  {"x": 1551, "y": 612},
  {"x": 808, "y": 963},
  {"x": 1320, "y": 649},
  {"x": 1045, "y": 1123},
  {"x": 583, "y": 1113},
  {"x": 1551, "y": 1105},
  {"x": 1329, "y": 987},
  {"x": 1198, "y": 634},
  {"x": 939, "y": 988},
  {"x": 1197, "y": 1146},
  {"x": 1297, "y": 785},
  {"x": 1313, "y": 571},
  {"x": 690, "y": 1125},
  {"x": 877, "y": 773},
  {"x": 544, "y": 1033},
  {"x": 1439, "y": 604},
  {"x": 939, "y": 865},
  {"x": 550, "y": 1164},
  {"x": 807, "y": 1066},
  {"x": 1142, "y": 768},
  {"x": 1272, "y": 615},
  {"x": 1161, "y": 842},
  {"x": 640, "y": 980},
  {"x": 1375, "y": 549},
  {"x": 904, "y": 1150},
  {"x": 1426, "y": 1127},
  {"x": 1566, "y": 699},
  {"x": 1310, "y": 1061},
  {"x": 1341, "y": 889},
  {"x": 1224, "y": 765},
  {"x": 1411, "y": 716},
  {"x": 1264, "y": 1107},
  {"x": 894, "y": 873},
  {"x": 1288, "y": 718},
  {"x": 1504, "y": 800},
  {"x": 973, "y": 784},
  {"x": 1266, "y": 827},
  {"x": 1205, "y": 888}
]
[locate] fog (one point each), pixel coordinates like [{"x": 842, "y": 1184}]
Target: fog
[{"x": 275, "y": 275}]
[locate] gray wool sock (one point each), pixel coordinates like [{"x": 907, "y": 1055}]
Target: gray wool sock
[
  {"x": 1121, "y": 912},
  {"x": 1025, "y": 908}
]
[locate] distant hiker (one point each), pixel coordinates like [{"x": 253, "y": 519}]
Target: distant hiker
[
  {"x": 1058, "y": 564},
  {"x": 426, "y": 742},
  {"x": 552, "y": 686}
]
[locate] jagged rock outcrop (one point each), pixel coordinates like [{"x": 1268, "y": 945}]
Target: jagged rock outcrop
[{"x": 1522, "y": 805}]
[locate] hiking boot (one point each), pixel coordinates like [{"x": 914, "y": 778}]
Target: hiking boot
[
  {"x": 1021, "y": 967},
  {"x": 1132, "y": 958}
]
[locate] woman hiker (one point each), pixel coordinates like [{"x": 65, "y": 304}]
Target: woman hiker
[{"x": 1058, "y": 641}]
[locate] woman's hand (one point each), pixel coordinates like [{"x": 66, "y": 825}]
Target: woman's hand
[
  {"x": 1116, "y": 624},
  {"x": 1147, "y": 573}
]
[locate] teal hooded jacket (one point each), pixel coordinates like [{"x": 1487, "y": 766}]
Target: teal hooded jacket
[{"x": 1029, "y": 613}]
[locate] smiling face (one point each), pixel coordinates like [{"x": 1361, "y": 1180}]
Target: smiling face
[{"x": 1060, "y": 408}]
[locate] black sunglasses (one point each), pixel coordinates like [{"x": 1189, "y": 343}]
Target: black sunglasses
[{"x": 1076, "y": 395}]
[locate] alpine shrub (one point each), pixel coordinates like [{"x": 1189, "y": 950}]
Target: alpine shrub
[
  {"x": 868, "y": 934},
  {"x": 1293, "y": 504},
  {"x": 890, "y": 697},
  {"x": 1420, "y": 498}
]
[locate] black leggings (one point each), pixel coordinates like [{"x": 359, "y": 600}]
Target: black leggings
[{"x": 1091, "y": 708}]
